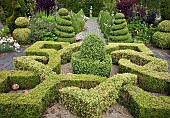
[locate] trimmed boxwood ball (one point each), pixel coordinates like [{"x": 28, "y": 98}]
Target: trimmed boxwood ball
[
  {"x": 22, "y": 22},
  {"x": 161, "y": 38},
  {"x": 92, "y": 58},
  {"x": 164, "y": 26},
  {"x": 63, "y": 12}
]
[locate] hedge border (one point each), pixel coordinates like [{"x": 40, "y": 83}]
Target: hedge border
[{"x": 142, "y": 105}]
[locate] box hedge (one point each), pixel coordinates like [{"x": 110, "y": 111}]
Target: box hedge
[
  {"x": 93, "y": 102},
  {"x": 143, "y": 105},
  {"x": 148, "y": 77}
]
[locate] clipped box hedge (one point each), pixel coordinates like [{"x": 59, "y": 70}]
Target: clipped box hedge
[
  {"x": 143, "y": 105},
  {"x": 86, "y": 66},
  {"x": 139, "y": 47},
  {"x": 25, "y": 80},
  {"x": 93, "y": 102},
  {"x": 148, "y": 78}
]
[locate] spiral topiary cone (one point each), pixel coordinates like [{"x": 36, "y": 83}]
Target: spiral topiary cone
[
  {"x": 22, "y": 33},
  {"x": 119, "y": 31},
  {"x": 92, "y": 57},
  {"x": 64, "y": 30}
]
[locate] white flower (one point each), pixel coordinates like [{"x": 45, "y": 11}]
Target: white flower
[
  {"x": 1, "y": 41},
  {"x": 10, "y": 39},
  {"x": 16, "y": 45}
]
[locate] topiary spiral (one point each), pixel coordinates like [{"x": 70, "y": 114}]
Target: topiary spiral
[
  {"x": 92, "y": 58},
  {"x": 119, "y": 31},
  {"x": 64, "y": 30}
]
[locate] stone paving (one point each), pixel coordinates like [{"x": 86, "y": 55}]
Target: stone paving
[{"x": 6, "y": 60}]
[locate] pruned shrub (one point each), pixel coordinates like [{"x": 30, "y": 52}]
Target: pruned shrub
[
  {"x": 64, "y": 30},
  {"x": 119, "y": 31},
  {"x": 92, "y": 58},
  {"x": 162, "y": 37}
]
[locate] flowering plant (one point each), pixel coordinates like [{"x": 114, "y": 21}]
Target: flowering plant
[
  {"x": 8, "y": 44},
  {"x": 79, "y": 37}
]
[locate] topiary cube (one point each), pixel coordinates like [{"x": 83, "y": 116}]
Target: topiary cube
[
  {"x": 162, "y": 37},
  {"x": 92, "y": 58},
  {"x": 119, "y": 31},
  {"x": 64, "y": 30}
]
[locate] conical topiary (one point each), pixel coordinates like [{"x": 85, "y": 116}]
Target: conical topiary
[
  {"x": 64, "y": 30},
  {"x": 162, "y": 37},
  {"x": 92, "y": 58},
  {"x": 119, "y": 31}
]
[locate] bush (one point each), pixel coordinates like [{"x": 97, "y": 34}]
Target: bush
[
  {"x": 119, "y": 31},
  {"x": 15, "y": 9},
  {"x": 142, "y": 105},
  {"x": 164, "y": 26},
  {"x": 92, "y": 58},
  {"x": 93, "y": 102},
  {"x": 22, "y": 35},
  {"x": 64, "y": 23},
  {"x": 63, "y": 12},
  {"x": 105, "y": 21},
  {"x": 78, "y": 21},
  {"x": 93, "y": 48},
  {"x": 22, "y": 22},
  {"x": 42, "y": 28},
  {"x": 165, "y": 9},
  {"x": 162, "y": 38}
]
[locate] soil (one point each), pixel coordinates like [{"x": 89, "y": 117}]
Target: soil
[
  {"x": 67, "y": 69},
  {"x": 57, "y": 111}
]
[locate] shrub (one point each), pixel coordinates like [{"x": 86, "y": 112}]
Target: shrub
[
  {"x": 119, "y": 31},
  {"x": 42, "y": 28},
  {"x": 105, "y": 22},
  {"x": 63, "y": 12},
  {"x": 165, "y": 9},
  {"x": 22, "y": 35},
  {"x": 142, "y": 105},
  {"x": 18, "y": 10},
  {"x": 92, "y": 58},
  {"x": 162, "y": 38},
  {"x": 22, "y": 22},
  {"x": 45, "y": 5},
  {"x": 64, "y": 25}
]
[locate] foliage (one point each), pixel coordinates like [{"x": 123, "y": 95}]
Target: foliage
[
  {"x": 42, "y": 28},
  {"x": 22, "y": 22},
  {"x": 109, "y": 5},
  {"x": 93, "y": 48},
  {"x": 45, "y": 5},
  {"x": 17, "y": 9},
  {"x": 22, "y": 35},
  {"x": 76, "y": 5},
  {"x": 92, "y": 58},
  {"x": 2, "y": 15},
  {"x": 78, "y": 21},
  {"x": 119, "y": 31},
  {"x": 7, "y": 44},
  {"x": 105, "y": 22},
  {"x": 162, "y": 37},
  {"x": 165, "y": 9},
  {"x": 64, "y": 24},
  {"x": 142, "y": 105}
]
